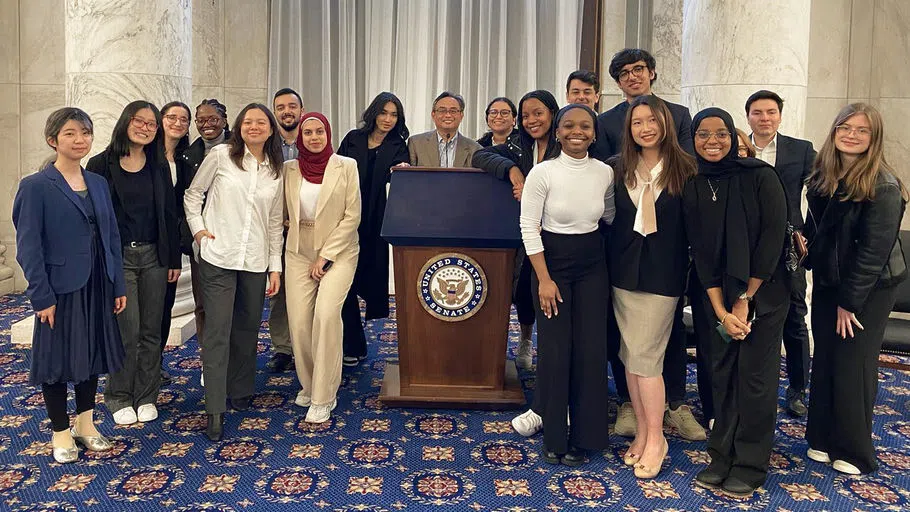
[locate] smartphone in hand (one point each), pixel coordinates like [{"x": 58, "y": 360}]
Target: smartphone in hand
[{"x": 327, "y": 265}]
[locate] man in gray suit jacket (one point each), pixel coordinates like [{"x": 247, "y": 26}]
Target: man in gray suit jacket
[{"x": 444, "y": 146}]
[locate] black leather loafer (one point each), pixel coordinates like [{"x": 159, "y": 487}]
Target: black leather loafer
[
  {"x": 709, "y": 479},
  {"x": 575, "y": 457},
  {"x": 240, "y": 404},
  {"x": 549, "y": 456},
  {"x": 214, "y": 429}
]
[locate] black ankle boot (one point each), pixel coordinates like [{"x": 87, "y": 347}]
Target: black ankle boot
[{"x": 215, "y": 427}]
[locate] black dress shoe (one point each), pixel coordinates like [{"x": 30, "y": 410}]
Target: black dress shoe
[
  {"x": 165, "y": 377},
  {"x": 240, "y": 404},
  {"x": 549, "y": 456},
  {"x": 279, "y": 363},
  {"x": 736, "y": 488},
  {"x": 796, "y": 405},
  {"x": 575, "y": 457},
  {"x": 710, "y": 478},
  {"x": 214, "y": 429}
]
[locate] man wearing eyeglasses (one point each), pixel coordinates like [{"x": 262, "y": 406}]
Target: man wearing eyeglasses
[
  {"x": 793, "y": 159},
  {"x": 444, "y": 146},
  {"x": 634, "y": 70}
]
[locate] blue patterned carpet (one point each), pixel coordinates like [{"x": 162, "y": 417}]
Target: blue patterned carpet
[{"x": 369, "y": 458}]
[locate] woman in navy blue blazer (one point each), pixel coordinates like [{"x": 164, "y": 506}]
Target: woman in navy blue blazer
[{"x": 68, "y": 246}]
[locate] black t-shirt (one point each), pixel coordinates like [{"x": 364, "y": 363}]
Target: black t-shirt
[{"x": 136, "y": 208}]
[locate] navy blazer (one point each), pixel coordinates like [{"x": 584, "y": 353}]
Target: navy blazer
[
  {"x": 610, "y": 126},
  {"x": 793, "y": 164},
  {"x": 54, "y": 236}
]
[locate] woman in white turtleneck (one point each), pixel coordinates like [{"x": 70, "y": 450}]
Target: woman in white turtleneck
[{"x": 562, "y": 203}]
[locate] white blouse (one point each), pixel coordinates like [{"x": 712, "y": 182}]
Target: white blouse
[
  {"x": 309, "y": 198},
  {"x": 244, "y": 210}
]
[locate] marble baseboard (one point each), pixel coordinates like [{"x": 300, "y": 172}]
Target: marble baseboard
[{"x": 182, "y": 329}]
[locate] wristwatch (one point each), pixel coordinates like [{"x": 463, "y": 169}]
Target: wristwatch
[{"x": 745, "y": 296}]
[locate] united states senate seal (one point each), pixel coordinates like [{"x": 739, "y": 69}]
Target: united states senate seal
[{"x": 452, "y": 287}]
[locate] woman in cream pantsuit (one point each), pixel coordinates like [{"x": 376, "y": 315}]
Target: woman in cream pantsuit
[{"x": 322, "y": 193}]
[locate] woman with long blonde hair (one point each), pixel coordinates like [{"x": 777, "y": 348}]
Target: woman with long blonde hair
[{"x": 856, "y": 203}]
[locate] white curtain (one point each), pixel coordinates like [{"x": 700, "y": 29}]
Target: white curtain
[{"x": 340, "y": 53}]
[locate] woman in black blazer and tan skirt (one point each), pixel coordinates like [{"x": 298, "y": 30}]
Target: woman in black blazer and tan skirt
[
  {"x": 648, "y": 262},
  {"x": 322, "y": 193}
]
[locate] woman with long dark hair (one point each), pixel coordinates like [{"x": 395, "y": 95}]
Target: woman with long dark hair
[
  {"x": 536, "y": 143},
  {"x": 143, "y": 195},
  {"x": 378, "y": 145},
  {"x": 68, "y": 245},
  {"x": 500, "y": 117},
  {"x": 856, "y": 202},
  {"x": 563, "y": 201},
  {"x": 238, "y": 237},
  {"x": 175, "y": 120},
  {"x": 648, "y": 263},
  {"x": 736, "y": 219}
]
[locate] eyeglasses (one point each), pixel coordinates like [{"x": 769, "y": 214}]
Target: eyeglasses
[
  {"x": 142, "y": 123},
  {"x": 637, "y": 71},
  {"x": 704, "y": 135},
  {"x": 846, "y": 129},
  {"x": 175, "y": 119},
  {"x": 202, "y": 121},
  {"x": 450, "y": 111},
  {"x": 499, "y": 113}
]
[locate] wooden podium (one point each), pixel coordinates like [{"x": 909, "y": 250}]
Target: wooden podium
[{"x": 454, "y": 233}]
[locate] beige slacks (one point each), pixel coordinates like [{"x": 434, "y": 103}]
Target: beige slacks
[{"x": 314, "y": 316}]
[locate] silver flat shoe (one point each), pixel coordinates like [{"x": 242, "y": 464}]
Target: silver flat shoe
[
  {"x": 97, "y": 443},
  {"x": 66, "y": 455}
]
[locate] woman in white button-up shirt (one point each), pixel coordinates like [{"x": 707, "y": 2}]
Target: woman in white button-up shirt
[{"x": 234, "y": 208}]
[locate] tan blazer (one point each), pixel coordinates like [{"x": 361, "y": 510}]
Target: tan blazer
[
  {"x": 424, "y": 150},
  {"x": 337, "y": 209}
]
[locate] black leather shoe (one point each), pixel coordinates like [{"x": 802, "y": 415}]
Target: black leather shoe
[
  {"x": 736, "y": 488},
  {"x": 796, "y": 405},
  {"x": 549, "y": 456},
  {"x": 279, "y": 363},
  {"x": 575, "y": 457},
  {"x": 214, "y": 429},
  {"x": 240, "y": 404},
  {"x": 165, "y": 377},
  {"x": 710, "y": 478}
]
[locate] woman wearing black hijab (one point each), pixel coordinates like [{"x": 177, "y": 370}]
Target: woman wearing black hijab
[
  {"x": 736, "y": 219},
  {"x": 537, "y": 142}
]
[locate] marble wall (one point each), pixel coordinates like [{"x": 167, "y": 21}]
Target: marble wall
[{"x": 230, "y": 53}]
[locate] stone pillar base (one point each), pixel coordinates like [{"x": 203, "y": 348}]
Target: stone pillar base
[{"x": 183, "y": 327}]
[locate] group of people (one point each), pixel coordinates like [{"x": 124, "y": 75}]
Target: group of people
[{"x": 631, "y": 213}]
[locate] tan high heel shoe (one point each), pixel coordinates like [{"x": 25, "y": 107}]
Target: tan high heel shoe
[
  {"x": 629, "y": 458},
  {"x": 645, "y": 472}
]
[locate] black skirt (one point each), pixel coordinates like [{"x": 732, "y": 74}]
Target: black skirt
[{"x": 85, "y": 340}]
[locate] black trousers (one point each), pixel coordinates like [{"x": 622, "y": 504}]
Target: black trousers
[
  {"x": 845, "y": 378},
  {"x": 571, "y": 345},
  {"x": 796, "y": 336},
  {"x": 55, "y": 401},
  {"x": 524, "y": 304},
  {"x": 703, "y": 323},
  {"x": 674, "y": 372},
  {"x": 233, "y": 308},
  {"x": 744, "y": 383},
  {"x": 353, "y": 339},
  {"x": 170, "y": 296}
]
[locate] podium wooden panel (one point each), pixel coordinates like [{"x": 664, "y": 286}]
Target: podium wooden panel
[{"x": 451, "y": 364}]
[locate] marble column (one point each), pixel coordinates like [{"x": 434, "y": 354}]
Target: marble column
[
  {"x": 118, "y": 51},
  {"x": 727, "y": 55}
]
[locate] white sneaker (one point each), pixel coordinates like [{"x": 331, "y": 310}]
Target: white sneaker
[
  {"x": 524, "y": 355},
  {"x": 202, "y": 379},
  {"x": 527, "y": 423},
  {"x": 146, "y": 413},
  {"x": 320, "y": 413},
  {"x": 818, "y": 456},
  {"x": 125, "y": 416},
  {"x": 303, "y": 399},
  {"x": 846, "y": 468},
  {"x": 711, "y": 424}
]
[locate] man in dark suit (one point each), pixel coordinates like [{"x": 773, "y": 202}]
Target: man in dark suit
[
  {"x": 634, "y": 70},
  {"x": 444, "y": 146},
  {"x": 793, "y": 159}
]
